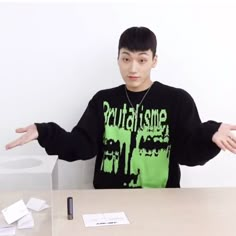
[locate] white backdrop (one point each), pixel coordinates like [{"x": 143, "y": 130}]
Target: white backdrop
[{"x": 55, "y": 56}]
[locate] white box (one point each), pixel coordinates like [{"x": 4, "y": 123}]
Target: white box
[
  {"x": 28, "y": 173},
  {"x": 25, "y": 177}
]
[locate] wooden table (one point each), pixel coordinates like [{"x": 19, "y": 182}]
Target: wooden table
[{"x": 157, "y": 212}]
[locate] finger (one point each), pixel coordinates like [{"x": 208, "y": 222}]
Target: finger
[
  {"x": 20, "y": 141},
  {"x": 13, "y": 144},
  {"x": 21, "y": 130},
  {"x": 228, "y": 146},
  {"x": 220, "y": 145},
  {"x": 233, "y": 150},
  {"x": 233, "y": 127},
  {"x": 231, "y": 142},
  {"x": 232, "y": 137}
]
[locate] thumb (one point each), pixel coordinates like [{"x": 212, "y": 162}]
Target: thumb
[
  {"x": 233, "y": 127},
  {"x": 21, "y": 130}
]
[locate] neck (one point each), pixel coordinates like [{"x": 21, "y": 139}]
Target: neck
[
  {"x": 140, "y": 88},
  {"x": 139, "y": 104}
]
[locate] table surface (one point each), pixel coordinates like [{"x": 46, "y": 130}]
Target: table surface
[{"x": 183, "y": 212}]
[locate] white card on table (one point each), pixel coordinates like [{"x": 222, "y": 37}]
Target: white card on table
[
  {"x": 26, "y": 222},
  {"x": 7, "y": 230},
  {"x": 15, "y": 211},
  {"x": 104, "y": 219}
]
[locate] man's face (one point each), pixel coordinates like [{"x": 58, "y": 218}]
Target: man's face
[{"x": 135, "y": 68}]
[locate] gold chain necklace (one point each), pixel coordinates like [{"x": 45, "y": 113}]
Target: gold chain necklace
[{"x": 139, "y": 104}]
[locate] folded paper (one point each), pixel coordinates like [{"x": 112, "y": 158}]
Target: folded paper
[
  {"x": 7, "y": 230},
  {"x": 36, "y": 204}
]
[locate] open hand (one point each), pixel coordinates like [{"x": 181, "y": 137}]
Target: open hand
[
  {"x": 224, "y": 138},
  {"x": 29, "y": 133}
]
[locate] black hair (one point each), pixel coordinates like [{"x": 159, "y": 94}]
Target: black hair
[{"x": 138, "y": 39}]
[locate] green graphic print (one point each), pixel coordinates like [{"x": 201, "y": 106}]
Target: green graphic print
[{"x": 136, "y": 148}]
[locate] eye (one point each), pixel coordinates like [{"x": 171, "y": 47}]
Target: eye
[
  {"x": 125, "y": 59},
  {"x": 142, "y": 60}
]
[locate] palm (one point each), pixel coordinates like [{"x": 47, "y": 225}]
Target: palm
[
  {"x": 224, "y": 138},
  {"x": 29, "y": 133}
]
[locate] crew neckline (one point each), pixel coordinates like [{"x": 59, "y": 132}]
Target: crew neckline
[{"x": 138, "y": 92}]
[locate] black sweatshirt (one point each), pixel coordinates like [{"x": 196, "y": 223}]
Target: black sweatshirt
[{"x": 135, "y": 151}]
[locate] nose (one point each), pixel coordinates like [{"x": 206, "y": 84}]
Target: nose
[{"x": 133, "y": 67}]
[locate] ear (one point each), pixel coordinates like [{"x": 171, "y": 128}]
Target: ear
[
  {"x": 118, "y": 61},
  {"x": 155, "y": 60}
]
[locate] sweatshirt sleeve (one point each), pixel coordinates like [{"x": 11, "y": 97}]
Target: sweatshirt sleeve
[
  {"x": 79, "y": 144},
  {"x": 193, "y": 143}
]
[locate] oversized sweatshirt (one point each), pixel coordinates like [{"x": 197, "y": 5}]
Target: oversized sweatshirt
[{"x": 142, "y": 151}]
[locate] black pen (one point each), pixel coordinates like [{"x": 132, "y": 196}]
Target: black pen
[{"x": 70, "y": 208}]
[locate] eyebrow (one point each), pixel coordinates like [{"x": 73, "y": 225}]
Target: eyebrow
[{"x": 139, "y": 53}]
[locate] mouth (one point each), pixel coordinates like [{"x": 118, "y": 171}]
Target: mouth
[{"x": 133, "y": 78}]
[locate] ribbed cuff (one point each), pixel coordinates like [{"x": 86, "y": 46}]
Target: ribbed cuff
[
  {"x": 210, "y": 129},
  {"x": 43, "y": 133}
]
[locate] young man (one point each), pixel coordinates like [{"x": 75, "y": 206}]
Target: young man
[{"x": 140, "y": 131}]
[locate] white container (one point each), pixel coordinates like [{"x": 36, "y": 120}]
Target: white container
[
  {"x": 28, "y": 173},
  {"x": 23, "y": 177}
]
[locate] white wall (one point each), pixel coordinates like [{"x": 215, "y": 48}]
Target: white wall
[{"x": 55, "y": 56}]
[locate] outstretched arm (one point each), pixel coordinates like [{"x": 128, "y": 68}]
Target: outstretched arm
[
  {"x": 81, "y": 143},
  {"x": 197, "y": 142},
  {"x": 225, "y": 139},
  {"x": 30, "y": 133}
]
